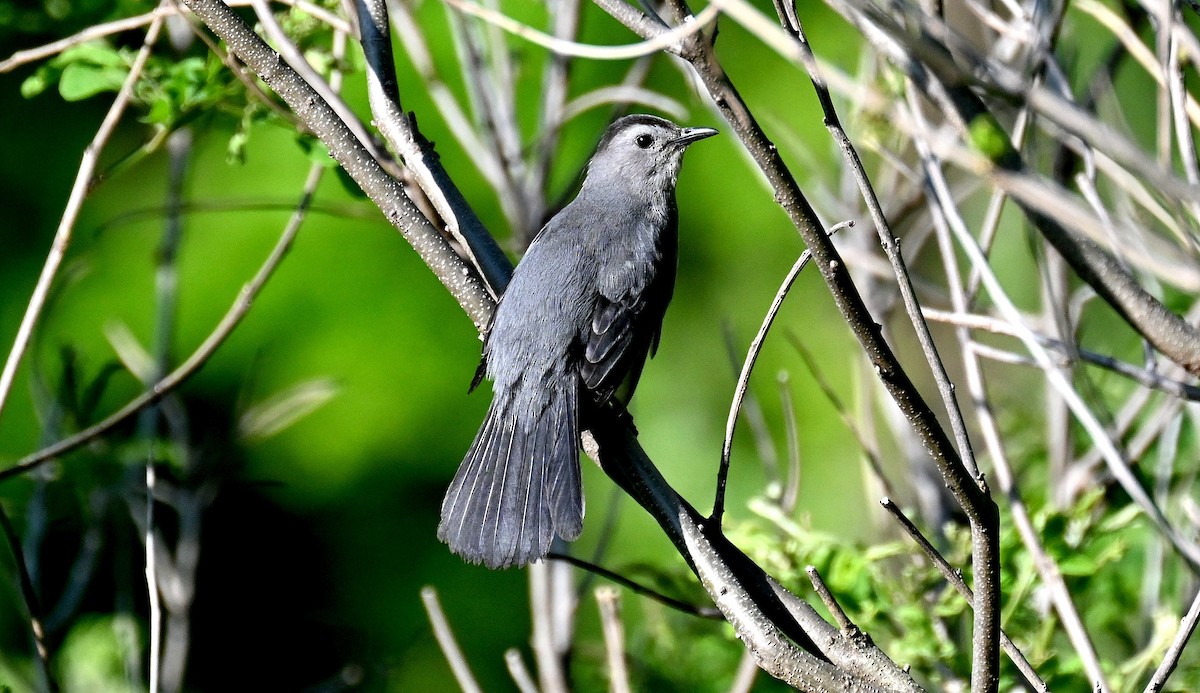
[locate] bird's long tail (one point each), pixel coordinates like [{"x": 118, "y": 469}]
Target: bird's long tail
[{"x": 519, "y": 484}]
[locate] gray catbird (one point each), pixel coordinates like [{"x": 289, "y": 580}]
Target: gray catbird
[{"x": 583, "y": 310}]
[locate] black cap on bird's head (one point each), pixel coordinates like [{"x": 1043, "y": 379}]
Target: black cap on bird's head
[{"x": 643, "y": 149}]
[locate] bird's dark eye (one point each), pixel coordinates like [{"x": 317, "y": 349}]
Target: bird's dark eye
[{"x": 644, "y": 141}]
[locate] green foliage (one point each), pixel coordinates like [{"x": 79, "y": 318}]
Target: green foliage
[
  {"x": 897, "y": 597},
  {"x": 170, "y": 91},
  {"x": 96, "y": 652}
]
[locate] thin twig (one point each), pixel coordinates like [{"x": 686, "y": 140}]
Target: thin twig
[
  {"x": 168, "y": 9},
  {"x": 447, "y": 642},
  {"x": 1187, "y": 627},
  {"x": 744, "y": 381},
  {"x": 191, "y": 364},
  {"x": 835, "y": 609},
  {"x": 574, "y": 49},
  {"x": 1147, "y": 378},
  {"x": 955, "y": 578},
  {"x": 637, "y": 588},
  {"x": 518, "y": 671},
  {"x": 66, "y": 225},
  {"x": 29, "y": 594},
  {"x": 609, "y": 601}
]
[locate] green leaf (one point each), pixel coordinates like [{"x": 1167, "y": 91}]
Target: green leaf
[
  {"x": 94, "y": 653},
  {"x": 82, "y": 80},
  {"x": 39, "y": 81}
]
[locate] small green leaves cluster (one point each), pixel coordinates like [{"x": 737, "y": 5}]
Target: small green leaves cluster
[
  {"x": 893, "y": 593},
  {"x": 170, "y": 91}
]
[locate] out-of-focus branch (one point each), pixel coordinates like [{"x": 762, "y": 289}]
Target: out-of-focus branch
[
  {"x": 1142, "y": 376},
  {"x": 609, "y": 601},
  {"x": 1187, "y": 627},
  {"x": 446, "y": 640},
  {"x": 29, "y": 594},
  {"x": 66, "y": 225},
  {"x": 929, "y": 66}
]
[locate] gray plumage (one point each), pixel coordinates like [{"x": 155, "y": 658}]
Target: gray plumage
[{"x": 581, "y": 314}]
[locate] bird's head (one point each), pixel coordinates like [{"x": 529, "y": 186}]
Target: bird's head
[{"x": 643, "y": 152}]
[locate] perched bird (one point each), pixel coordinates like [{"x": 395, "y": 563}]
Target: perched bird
[{"x": 581, "y": 314}]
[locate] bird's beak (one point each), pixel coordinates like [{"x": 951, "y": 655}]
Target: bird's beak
[{"x": 689, "y": 135}]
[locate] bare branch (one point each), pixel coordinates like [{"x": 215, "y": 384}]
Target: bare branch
[
  {"x": 32, "y": 604},
  {"x": 609, "y": 601},
  {"x": 744, "y": 381},
  {"x": 447, "y": 642},
  {"x": 835, "y": 609},
  {"x": 518, "y": 671},
  {"x": 66, "y": 225},
  {"x": 384, "y": 190},
  {"x": 955, "y": 578},
  {"x": 1187, "y": 627}
]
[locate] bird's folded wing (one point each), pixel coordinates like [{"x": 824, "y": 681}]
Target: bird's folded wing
[{"x": 610, "y": 348}]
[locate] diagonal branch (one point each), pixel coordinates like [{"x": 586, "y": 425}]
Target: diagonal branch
[{"x": 975, "y": 501}]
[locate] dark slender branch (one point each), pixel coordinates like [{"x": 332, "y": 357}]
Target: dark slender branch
[
  {"x": 636, "y": 587},
  {"x": 790, "y": 20},
  {"x": 975, "y": 501},
  {"x": 954, "y": 577},
  {"x": 29, "y": 594},
  {"x": 839, "y": 614},
  {"x": 743, "y": 383},
  {"x": 402, "y": 133}
]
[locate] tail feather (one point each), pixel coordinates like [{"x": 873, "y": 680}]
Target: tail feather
[
  {"x": 566, "y": 487},
  {"x": 518, "y": 485}
]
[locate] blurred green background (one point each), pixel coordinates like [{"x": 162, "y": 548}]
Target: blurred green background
[{"x": 320, "y": 537}]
